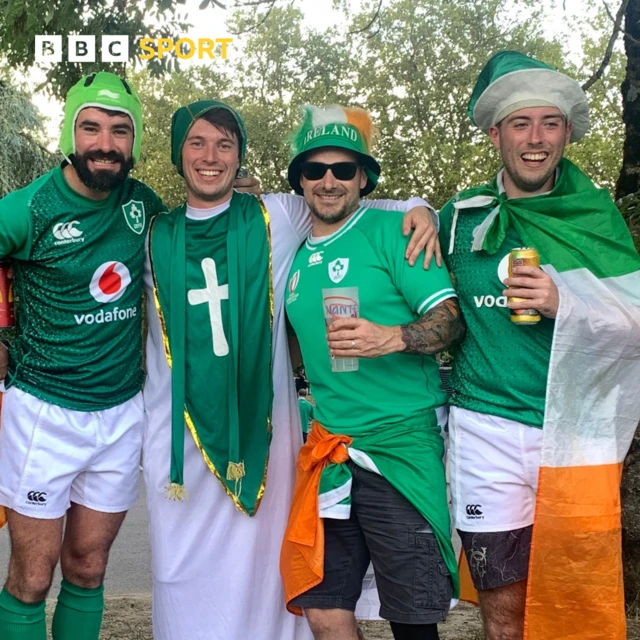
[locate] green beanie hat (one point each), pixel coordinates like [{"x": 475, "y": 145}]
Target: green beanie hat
[
  {"x": 511, "y": 81},
  {"x": 346, "y": 128},
  {"x": 107, "y": 91},
  {"x": 184, "y": 118}
]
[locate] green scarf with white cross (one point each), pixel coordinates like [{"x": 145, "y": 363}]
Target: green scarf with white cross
[{"x": 213, "y": 293}]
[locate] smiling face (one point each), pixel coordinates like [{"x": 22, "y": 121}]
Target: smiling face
[
  {"x": 332, "y": 200},
  {"x": 531, "y": 143},
  {"x": 103, "y": 148},
  {"x": 210, "y": 161}
]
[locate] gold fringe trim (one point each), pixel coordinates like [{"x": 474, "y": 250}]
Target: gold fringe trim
[
  {"x": 267, "y": 223},
  {"x": 187, "y": 416},
  {"x": 235, "y": 473},
  {"x": 176, "y": 492},
  {"x": 212, "y": 467}
]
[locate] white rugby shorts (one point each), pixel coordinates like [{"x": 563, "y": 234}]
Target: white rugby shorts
[
  {"x": 494, "y": 465},
  {"x": 51, "y": 456}
]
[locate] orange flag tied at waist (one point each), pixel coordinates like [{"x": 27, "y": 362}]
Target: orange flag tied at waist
[{"x": 302, "y": 556}]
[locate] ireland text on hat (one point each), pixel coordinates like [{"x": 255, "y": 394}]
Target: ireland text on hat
[{"x": 332, "y": 130}]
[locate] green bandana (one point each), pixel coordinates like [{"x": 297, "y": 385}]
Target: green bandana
[
  {"x": 218, "y": 341},
  {"x": 571, "y": 227}
]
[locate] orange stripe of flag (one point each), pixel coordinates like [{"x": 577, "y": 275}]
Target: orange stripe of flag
[{"x": 575, "y": 589}]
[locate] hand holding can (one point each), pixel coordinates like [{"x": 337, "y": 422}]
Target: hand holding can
[
  {"x": 341, "y": 302},
  {"x": 523, "y": 257}
]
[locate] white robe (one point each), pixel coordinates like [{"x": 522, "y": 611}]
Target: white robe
[{"x": 216, "y": 570}]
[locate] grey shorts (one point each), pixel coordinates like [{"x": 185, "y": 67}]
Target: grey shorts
[
  {"x": 497, "y": 559},
  {"x": 413, "y": 581}
]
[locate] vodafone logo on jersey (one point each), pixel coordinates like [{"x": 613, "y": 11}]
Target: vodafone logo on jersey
[
  {"x": 110, "y": 281},
  {"x": 496, "y": 301}
]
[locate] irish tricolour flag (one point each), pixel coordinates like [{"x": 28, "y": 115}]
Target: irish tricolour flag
[
  {"x": 592, "y": 407},
  {"x": 575, "y": 587}
]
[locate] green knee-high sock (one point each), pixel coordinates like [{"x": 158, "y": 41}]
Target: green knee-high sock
[
  {"x": 21, "y": 621},
  {"x": 78, "y": 614}
]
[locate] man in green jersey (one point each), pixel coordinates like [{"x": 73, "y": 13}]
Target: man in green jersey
[
  {"x": 306, "y": 412},
  {"x": 511, "y": 380},
  {"x": 72, "y": 412},
  {"x": 371, "y": 482}
]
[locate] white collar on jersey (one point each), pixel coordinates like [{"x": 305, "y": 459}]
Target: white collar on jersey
[
  {"x": 204, "y": 214},
  {"x": 313, "y": 241}
]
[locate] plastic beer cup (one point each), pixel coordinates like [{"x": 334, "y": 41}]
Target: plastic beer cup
[{"x": 341, "y": 302}]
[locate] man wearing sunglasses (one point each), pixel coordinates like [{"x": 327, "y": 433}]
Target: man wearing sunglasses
[
  {"x": 371, "y": 483},
  {"x": 216, "y": 280}
]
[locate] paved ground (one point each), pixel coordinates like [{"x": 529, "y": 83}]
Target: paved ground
[
  {"x": 130, "y": 563},
  {"x": 127, "y": 618},
  {"x": 128, "y": 587}
]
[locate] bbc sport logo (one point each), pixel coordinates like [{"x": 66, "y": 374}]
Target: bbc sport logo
[{"x": 48, "y": 49}]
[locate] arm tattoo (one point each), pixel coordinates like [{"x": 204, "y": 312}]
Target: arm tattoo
[{"x": 436, "y": 330}]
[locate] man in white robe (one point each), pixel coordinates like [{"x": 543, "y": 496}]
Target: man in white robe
[{"x": 215, "y": 569}]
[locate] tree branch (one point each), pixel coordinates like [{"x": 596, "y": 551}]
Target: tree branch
[
  {"x": 42, "y": 148},
  {"x": 606, "y": 6},
  {"x": 376, "y": 15},
  {"x": 255, "y": 3},
  {"x": 624, "y": 33},
  {"x": 272, "y": 3},
  {"x": 609, "y": 52}
]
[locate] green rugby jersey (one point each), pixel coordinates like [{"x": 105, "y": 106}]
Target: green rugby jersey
[
  {"x": 500, "y": 367},
  {"x": 367, "y": 252},
  {"x": 78, "y": 275}
]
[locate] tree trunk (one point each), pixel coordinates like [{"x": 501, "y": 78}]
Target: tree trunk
[
  {"x": 629, "y": 180},
  {"x": 631, "y": 524},
  {"x": 629, "y": 183}
]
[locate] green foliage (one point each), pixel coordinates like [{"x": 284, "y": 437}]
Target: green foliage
[
  {"x": 414, "y": 70},
  {"x": 281, "y": 69},
  {"x": 600, "y": 154},
  {"x": 22, "y": 156},
  {"x": 416, "y": 76},
  {"x": 22, "y": 20}
]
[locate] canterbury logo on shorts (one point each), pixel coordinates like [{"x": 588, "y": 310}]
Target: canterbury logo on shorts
[
  {"x": 474, "y": 510},
  {"x": 38, "y": 497}
]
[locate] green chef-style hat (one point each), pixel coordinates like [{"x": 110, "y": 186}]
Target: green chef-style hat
[
  {"x": 107, "y": 91},
  {"x": 511, "y": 81},
  {"x": 346, "y": 128},
  {"x": 184, "y": 118}
]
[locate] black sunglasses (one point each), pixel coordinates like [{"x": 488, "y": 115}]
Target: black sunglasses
[{"x": 340, "y": 170}]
